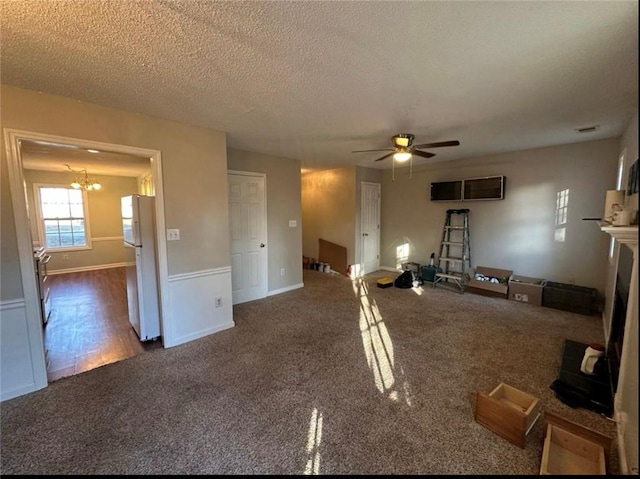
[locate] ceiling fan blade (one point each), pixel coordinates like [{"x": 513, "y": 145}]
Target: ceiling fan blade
[
  {"x": 438, "y": 144},
  {"x": 365, "y": 151},
  {"x": 424, "y": 154},
  {"x": 385, "y": 156}
]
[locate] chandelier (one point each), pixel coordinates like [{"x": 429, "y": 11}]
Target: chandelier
[{"x": 83, "y": 180}]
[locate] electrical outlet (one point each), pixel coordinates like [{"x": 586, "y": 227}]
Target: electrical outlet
[
  {"x": 218, "y": 302},
  {"x": 282, "y": 272}
]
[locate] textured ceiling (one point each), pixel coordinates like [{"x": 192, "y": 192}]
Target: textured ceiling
[{"x": 314, "y": 80}]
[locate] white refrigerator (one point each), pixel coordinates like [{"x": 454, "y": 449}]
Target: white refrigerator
[{"x": 138, "y": 228}]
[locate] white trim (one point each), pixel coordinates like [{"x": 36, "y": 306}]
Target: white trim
[
  {"x": 35, "y": 333},
  {"x": 622, "y": 450},
  {"x": 199, "y": 274},
  {"x": 12, "y": 304},
  {"x": 80, "y": 269},
  {"x": 285, "y": 289},
  {"x": 202, "y": 334},
  {"x": 109, "y": 238},
  {"x": 23, "y": 231}
]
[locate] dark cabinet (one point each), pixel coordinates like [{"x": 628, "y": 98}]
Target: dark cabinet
[{"x": 471, "y": 189}]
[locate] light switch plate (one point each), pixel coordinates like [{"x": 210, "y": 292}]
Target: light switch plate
[
  {"x": 293, "y": 223},
  {"x": 173, "y": 234}
]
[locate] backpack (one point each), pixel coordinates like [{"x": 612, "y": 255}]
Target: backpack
[{"x": 405, "y": 280}]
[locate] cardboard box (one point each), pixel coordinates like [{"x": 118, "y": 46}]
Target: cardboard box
[
  {"x": 526, "y": 289},
  {"x": 486, "y": 287},
  {"x": 385, "y": 282}
]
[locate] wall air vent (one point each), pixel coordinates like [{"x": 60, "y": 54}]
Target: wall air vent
[{"x": 588, "y": 129}]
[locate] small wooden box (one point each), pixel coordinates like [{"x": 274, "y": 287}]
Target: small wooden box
[
  {"x": 385, "y": 282},
  {"x": 508, "y": 412},
  {"x": 573, "y": 449}
]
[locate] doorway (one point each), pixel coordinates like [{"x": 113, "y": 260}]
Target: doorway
[
  {"x": 248, "y": 236},
  {"x": 370, "y": 226},
  {"x": 97, "y": 318}
]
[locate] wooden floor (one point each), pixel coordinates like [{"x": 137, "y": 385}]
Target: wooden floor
[{"x": 89, "y": 323}]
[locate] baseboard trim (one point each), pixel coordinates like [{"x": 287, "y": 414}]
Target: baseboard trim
[
  {"x": 200, "y": 334},
  {"x": 285, "y": 289}
]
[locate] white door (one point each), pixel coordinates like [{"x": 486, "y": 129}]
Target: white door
[
  {"x": 248, "y": 230},
  {"x": 370, "y": 226}
]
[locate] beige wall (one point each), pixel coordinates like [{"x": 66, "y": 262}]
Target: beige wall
[
  {"x": 516, "y": 233},
  {"x": 328, "y": 210},
  {"x": 105, "y": 224},
  {"x": 283, "y": 204},
  {"x": 10, "y": 279},
  {"x": 190, "y": 154}
]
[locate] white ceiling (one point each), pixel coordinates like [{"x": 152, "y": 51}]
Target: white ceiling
[{"x": 315, "y": 80}]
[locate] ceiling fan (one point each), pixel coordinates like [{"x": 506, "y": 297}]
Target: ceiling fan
[{"x": 404, "y": 149}]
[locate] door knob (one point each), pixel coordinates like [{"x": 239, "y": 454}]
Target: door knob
[{"x": 261, "y": 245}]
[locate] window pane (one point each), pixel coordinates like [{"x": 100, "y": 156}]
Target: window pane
[
  {"x": 52, "y": 241},
  {"x": 51, "y": 227},
  {"x": 66, "y": 239},
  {"x": 75, "y": 196},
  {"x": 77, "y": 226},
  {"x": 76, "y": 210}
]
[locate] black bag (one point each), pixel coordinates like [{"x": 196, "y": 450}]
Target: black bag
[{"x": 405, "y": 280}]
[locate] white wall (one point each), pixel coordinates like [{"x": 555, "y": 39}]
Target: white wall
[{"x": 516, "y": 233}]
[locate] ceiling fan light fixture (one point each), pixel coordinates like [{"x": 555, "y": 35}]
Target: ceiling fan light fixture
[{"x": 402, "y": 155}]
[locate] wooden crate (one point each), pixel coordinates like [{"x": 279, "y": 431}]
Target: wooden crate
[
  {"x": 508, "y": 412},
  {"x": 573, "y": 449}
]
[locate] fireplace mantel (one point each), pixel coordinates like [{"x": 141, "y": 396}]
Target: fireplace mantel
[{"x": 623, "y": 234}]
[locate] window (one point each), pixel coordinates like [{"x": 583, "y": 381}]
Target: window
[
  {"x": 63, "y": 220},
  {"x": 562, "y": 208}
]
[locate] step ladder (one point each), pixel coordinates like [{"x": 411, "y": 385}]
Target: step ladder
[{"x": 455, "y": 250}]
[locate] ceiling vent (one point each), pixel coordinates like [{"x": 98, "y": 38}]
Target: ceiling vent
[{"x": 588, "y": 129}]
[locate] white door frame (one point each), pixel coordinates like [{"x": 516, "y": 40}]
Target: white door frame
[
  {"x": 265, "y": 260},
  {"x": 363, "y": 269},
  {"x": 12, "y": 139}
]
